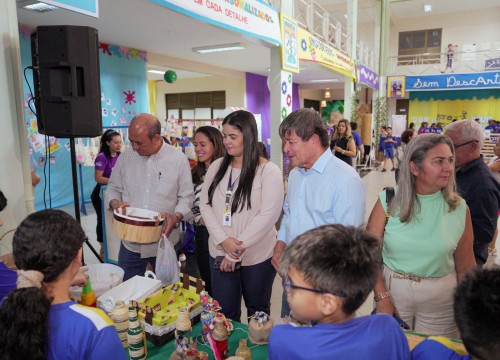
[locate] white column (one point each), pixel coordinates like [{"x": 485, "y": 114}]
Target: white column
[
  {"x": 15, "y": 177},
  {"x": 352, "y": 29},
  {"x": 277, "y": 78}
]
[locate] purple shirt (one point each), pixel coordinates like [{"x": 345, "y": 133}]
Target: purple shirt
[{"x": 105, "y": 164}]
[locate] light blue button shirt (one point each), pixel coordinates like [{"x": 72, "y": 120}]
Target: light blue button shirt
[{"x": 331, "y": 192}]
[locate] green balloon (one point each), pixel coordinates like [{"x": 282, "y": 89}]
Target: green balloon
[{"x": 170, "y": 76}]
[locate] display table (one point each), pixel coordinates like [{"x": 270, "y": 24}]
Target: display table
[{"x": 240, "y": 332}]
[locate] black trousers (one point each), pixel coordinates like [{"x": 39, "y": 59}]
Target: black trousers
[
  {"x": 202, "y": 255},
  {"x": 97, "y": 203},
  {"x": 254, "y": 283}
]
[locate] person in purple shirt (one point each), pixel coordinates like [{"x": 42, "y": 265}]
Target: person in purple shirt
[
  {"x": 8, "y": 277},
  {"x": 424, "y": 128},
  {"x": 111, "y": 144}
]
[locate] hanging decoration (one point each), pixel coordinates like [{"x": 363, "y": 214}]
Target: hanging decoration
[{"x": 170, "y": 76}]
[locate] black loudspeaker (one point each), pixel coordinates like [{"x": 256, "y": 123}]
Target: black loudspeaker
[{"x": 67, "y": 82}]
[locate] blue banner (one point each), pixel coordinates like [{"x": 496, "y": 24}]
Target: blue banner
[
  {"x": 87, "y": 7},
  {"x": 484, "y": 80}
]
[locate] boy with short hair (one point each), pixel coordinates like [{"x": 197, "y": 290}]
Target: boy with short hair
[
  {"x": 328, "y": 273},
  {"x": 477, "y": 314},
  {"x": 389, "y": 149}
]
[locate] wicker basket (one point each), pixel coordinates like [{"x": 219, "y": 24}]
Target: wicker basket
[{"x": 138, "y": 225}]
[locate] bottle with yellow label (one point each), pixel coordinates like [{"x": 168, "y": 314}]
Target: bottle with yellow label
[{"x": 88, "y": 296}]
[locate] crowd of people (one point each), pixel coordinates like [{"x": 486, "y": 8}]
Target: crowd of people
[{"x": 422, "y": 252}]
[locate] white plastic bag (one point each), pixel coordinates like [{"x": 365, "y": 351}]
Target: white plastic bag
[{"x": 167, "y": 267}]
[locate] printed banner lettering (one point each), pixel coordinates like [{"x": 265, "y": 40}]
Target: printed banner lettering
[
  {"x": 367, "y": 77},
  {"x": 249, "y": 17},
  {"x": 484, "y": 80},
  {"x": 313, "y": 49}
]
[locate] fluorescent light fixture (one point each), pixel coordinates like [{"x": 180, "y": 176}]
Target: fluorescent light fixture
[
  {"x": 219, "y": 48},
  {"x": 40, "y": 7},
  {"x": 427, "y": 8},
  {"x": 323, "y": 80},
  {"x": 156, "y": 72}
]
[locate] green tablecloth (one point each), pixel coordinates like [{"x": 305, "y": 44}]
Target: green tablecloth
[{"x": 240, "y": 332}]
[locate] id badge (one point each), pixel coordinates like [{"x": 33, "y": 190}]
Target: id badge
[{"x": 226, "y": 220}]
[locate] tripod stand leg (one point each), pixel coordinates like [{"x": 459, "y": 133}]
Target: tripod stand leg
[{"x": 76, "y": 198}]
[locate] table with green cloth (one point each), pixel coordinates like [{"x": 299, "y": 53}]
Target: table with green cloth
[{"x": 240, "y": 332}]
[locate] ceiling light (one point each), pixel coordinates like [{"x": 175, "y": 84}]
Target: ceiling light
[
  {"x": 327, "y": 95},
  {"x": 323, "y": 80},
  {"x": 323, "y": 104},
  {"x": 156, "y": 72},
  {"x": 427, "y": 8},
  {"x": 37, "y": 6},
  {"x": 219, "y": 48}
]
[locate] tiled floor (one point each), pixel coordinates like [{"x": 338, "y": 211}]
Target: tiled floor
[{"x": 374, "y": 182}]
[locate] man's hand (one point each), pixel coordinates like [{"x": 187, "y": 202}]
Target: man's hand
[
  {"x": 80, "y": 278},
  {"x": 278, "y": 250},
  {"x": 115, "y": 204},
  {"x": 170, "y": 222}
]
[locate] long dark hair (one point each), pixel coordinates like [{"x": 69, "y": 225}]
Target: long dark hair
[
  {"x": 46, "y": 241},
  {"x": 244, "y": 121},
  {"x": 107, "y": 136},
  {"x": 215, "y": 137}
]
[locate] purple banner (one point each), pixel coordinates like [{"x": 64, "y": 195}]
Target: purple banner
[{"x": 368, "y": 77}]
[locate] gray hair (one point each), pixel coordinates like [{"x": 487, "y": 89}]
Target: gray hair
[
  {"x": 467, "y": 130},
  {"x": 405, "y": 204},
  {"x": 305, "y": 123}
]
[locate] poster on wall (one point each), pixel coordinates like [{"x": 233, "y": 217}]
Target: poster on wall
[
  {"x": 395, "y": 87},
  {"x": 289, "y": 49}
]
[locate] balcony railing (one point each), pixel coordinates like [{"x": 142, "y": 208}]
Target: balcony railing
[
  {"x": 435, "y": 63},
  {"x": 311, "y": 16}
]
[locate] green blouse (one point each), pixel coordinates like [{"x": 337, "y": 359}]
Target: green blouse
[{"x": 425, "y": 246}]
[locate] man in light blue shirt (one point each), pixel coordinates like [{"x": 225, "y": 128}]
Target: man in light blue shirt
[{"x": 321, "y": 188}]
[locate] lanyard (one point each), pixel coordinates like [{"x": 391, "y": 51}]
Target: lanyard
[{"x": 229, "y": 191}]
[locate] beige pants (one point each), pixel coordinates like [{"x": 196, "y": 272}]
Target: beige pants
[{"x": 427, "y": 306}]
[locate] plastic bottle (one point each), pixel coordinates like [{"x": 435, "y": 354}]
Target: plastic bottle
[{"x": 88, "y": 296}]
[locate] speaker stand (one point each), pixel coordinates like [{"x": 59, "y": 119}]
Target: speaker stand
[{"x": 76, "y": 198}]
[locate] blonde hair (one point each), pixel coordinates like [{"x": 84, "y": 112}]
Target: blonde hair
[
  {"x": 347, "y": 135},
  {"x": 405, "y": 204}
]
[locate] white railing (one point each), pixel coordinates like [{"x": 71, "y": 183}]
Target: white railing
[
  {"x": 311, "y": 16},
  {"x": 427, "y": 63}
]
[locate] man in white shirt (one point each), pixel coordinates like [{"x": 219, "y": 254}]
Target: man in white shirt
[
  {"x": 150, "y": 175},
  {"x": 322, "y": 189}
]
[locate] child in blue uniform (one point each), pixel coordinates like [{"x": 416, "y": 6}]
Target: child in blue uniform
[
  {"x": 328, "y": 273},
  {"x": 477, "y": 314},
  {"x": 38, "y": 319},
  {"x": 389, "y": 142}
]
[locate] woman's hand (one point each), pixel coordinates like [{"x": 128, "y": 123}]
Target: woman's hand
[
  {"x": 233, "y": 247},
  {"x": 386, "y": 306},
  {"x": 338, "y": 149},
  {"x": 227, "y": 265}
]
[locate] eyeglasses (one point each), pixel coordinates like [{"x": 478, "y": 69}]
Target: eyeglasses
[
  {"x": 465, "y": 143},
  {"x": 288, "y": 286}
]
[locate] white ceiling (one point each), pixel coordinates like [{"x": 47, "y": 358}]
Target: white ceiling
[{"x": 146, "y": 26}]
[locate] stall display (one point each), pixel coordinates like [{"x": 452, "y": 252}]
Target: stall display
[
  {"x": 260, "y": 327},
  {"x": 136, "y": 340},
  {"x": 119, "y": 316},
  {"x": 135, "y": 288},
  {"x": 158, "y": 312}
]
